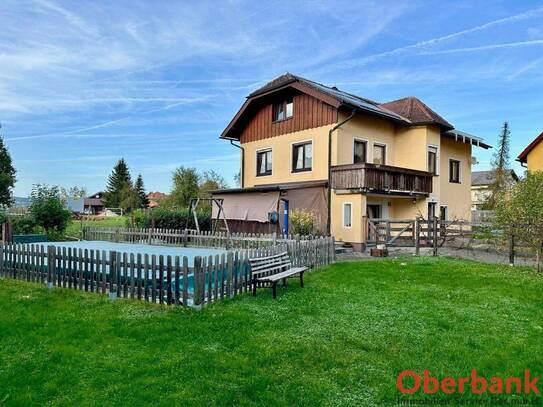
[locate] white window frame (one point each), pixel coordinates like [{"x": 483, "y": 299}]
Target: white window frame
[
  {"x": 437, "y": 157},
  {"x": 298, "y": 142},
  {"x": 350, "y": 215},
  {"x": 378, "y": 143},
  {"x": 260, "y": 150},
  {"x": 355, "y": 139},
  {"x": 460, "y": 180}
]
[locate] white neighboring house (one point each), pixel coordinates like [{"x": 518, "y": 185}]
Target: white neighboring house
[{"x": 481, "y": 181}]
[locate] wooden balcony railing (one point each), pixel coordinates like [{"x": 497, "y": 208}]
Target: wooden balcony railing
[{"x": 383, "y": 179}]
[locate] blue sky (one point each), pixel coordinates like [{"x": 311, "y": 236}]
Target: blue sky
[{"x": 85, "y": 83}]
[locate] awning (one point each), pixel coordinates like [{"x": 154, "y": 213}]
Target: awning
[{"x": 251, "y": 206}]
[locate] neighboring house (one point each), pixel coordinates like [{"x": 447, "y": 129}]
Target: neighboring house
[
  {"x": 481, "y": 181},
  {"x": 346, "y": 158},
  {"x": 155, "y": 199},
  {"x": 532, "y": 156},
  {"x": 93, "y": 205}
]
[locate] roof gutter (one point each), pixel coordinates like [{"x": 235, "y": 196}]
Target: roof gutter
[
  {"x": 242, "y": 169},
  {"x": 337, "y": 126}
]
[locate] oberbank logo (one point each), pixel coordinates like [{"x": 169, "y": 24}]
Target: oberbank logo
[{"x": 410, "y": 382}]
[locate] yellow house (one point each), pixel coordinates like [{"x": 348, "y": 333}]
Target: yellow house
[
  {"x": 345, "y": 158},
  {"x": 532, "y": 156}
]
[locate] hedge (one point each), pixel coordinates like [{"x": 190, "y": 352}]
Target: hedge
[{"x": 169, "y": 219}]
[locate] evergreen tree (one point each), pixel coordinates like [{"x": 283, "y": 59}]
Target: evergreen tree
[
  {"x": 139, "y": 188},
  {"x": 501, "y": 167},
  {"x": 118, "y": 181},
  {"x": 7, "y": 175}
]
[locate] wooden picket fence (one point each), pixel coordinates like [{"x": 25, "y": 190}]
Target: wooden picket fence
[
  {"x": 159, "y": 279},
  {"x": 188, "y": 237}
]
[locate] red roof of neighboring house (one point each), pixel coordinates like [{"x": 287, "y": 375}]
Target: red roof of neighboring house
[
  {"x": 155, "y": 198},
  {"x": 156, "y": 195},
  {"x": 524, "y": 155}
]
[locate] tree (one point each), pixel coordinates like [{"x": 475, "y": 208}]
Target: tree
[
  {"x": 501, "y": 168},
  {"x": 117, "y": 182},
  {"x": 139, "y": 188},
  {"x": 7, "y": 175},
  {"x": 73, "y": 193},
  {"x": 185, "y": 186},
  {"x": 211, "y": 180},
  {"x": 237, "y": 179},
  {"x": 520, "y": 212},
  {"x": 129, "y": 199},
  {"x": 48, "y": 210}
]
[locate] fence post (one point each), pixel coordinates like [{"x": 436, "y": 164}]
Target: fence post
[
  {"x": 434, "y": 235},
  {"x": 51, "y": 266},
  {"x": 197, "y": 283},
  {"x": 112, "y": 275},
  {"x": 511, "y": 249},
  {"x": 417, "y": 236},
  {"x": 185, "y": 237},
  {"x": 229, "y": 274}
]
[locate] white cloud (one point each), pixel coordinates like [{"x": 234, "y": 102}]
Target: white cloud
[{"x": 356, "y": 62}]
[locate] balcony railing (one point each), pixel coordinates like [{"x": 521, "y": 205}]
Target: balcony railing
[{"x": 381, "y": 179}]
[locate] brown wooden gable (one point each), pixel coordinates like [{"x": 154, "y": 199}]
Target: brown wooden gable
[{"x": 309, "y": 112}]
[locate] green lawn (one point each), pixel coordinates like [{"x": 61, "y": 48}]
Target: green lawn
[
  {"x": 75, "y": 227},
  {"x": 342, "y": 340}
]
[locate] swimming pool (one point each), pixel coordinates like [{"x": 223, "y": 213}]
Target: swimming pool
[
  {"x": 159, "y": 273},
  {"x": 135, "y": 248}
]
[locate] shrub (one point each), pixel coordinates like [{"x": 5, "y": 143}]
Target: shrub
[
  {"x": 48, "y": 210},
  {"x": 25, "y": 225},
  {"x": 171, "y": 219},
  {"x": 302, "y": 222}
]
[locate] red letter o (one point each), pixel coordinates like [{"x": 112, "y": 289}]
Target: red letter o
[{"x": 399, "y": 382}]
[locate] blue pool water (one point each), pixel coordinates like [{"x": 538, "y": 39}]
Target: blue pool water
[{"x": 135, "y": 248}]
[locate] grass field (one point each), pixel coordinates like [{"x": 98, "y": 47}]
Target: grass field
[
  {"x": 342, "y": 340},
  {"x": 76, "y": 226}
]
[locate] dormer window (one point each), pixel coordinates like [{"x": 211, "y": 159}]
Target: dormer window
[{"x": 283, "y": 110}]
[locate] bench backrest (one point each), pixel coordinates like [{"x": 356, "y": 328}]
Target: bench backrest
[{"x": 265, "y": 266}]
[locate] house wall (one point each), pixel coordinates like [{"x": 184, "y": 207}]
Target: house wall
[
  {"x": 535, "y": 158},
  {"x": 354, "y": 233},
  {"x": 308, "y": 113},
  {"x": 457, "y": 197},
  {"x": 364, "y": 127},
  {"x": 282, "y": 157},
  {"x": 479, "y": 195}
]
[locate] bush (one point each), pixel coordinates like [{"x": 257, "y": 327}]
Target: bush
[
  {"x": 25, "y": 225},
  {"x": 48, "y": 210},
  {"x": 302, "y": 222},
  {"x": 170, "y": 219}
]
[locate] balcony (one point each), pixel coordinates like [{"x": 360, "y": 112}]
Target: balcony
[{"x": 381, "y": 179}]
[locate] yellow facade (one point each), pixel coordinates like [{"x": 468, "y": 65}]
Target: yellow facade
[
  {"x": 406, "y": 147},
  {"x": 535, "y": 158},
  {"x": 281, "y": 147},
  {"x": 353, "y": 233}
]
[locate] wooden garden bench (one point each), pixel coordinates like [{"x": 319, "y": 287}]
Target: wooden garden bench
[{"x": 272, "y": 269}]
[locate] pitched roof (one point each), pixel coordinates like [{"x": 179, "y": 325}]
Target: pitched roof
[
  {"x": 524, "y": 155},
  {"x": 344, "y": 98},
  {"x": 407, "y": 111},
  {"x": 416, "y": 111},
  {"x": 479, "y": 178}
]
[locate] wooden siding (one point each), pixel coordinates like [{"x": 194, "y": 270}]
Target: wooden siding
[
  {"x": 381, "y": 179},
  {"x": 309, "y": 113}
]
